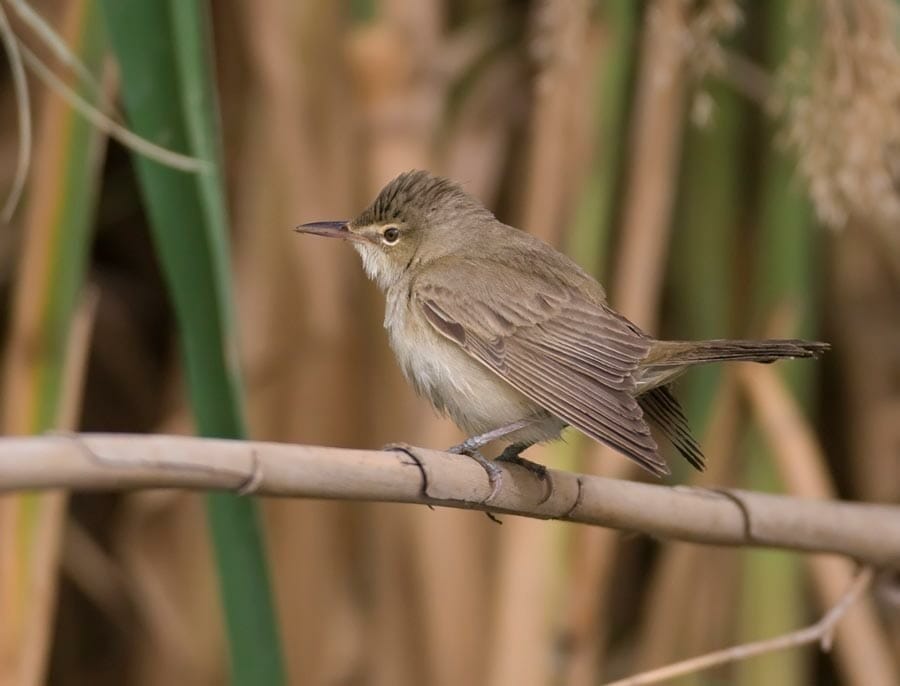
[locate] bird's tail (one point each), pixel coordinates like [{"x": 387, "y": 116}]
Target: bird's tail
[
  {"x": 669, "y": 359},
  {"x": 684, "y": 353}
]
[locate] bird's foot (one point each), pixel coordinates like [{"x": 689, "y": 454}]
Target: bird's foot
[
  {"x": 512, "y": 455},
  {"x": 397, "y": 446},
  {"x": 538, "y": 470},
  {"x": 494, "y": 473}
]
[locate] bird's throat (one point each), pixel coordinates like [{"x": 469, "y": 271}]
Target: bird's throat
[{"x": 376, "y": 265}]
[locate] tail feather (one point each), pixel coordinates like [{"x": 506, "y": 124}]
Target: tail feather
[
  {"x": 679, "y": 353},
  {"x": 667, "y": 359}
]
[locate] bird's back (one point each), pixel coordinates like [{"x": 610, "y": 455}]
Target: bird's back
[{"x": 527, "y": 254}]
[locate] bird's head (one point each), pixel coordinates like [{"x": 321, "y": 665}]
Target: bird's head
[{"x": 416, "y": 218}]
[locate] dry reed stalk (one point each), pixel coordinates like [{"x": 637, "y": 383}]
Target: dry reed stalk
[
  {"x": 34, "y": 263},
  {"x": 558, "y": 48},
  {"x": 861, "y": 649},
  {"x": 584, "y": 631},
  {"x": 97, "y": 575},
  {"x": 287, "y": 155},
  {"x": 395, "y": 645},
  {"x": 453, "y": 571},
  {"x": 399, "y": 91},
  {"x": 667, "y": 627},
  {"x": 457, "y": 564},
  {"x": 402, "y": 90},
  {"x": 304, "y": 371},
  {"x": 393, "y": 62},
  {"x": 520, "y": 642},
  {"x": 649, "y": 190},
  {"x": 280, "y": 141},
  {"x": 477, "y": 145},
  {"x": 31, "y": 527},
  {"x": 653, "y": 164},
  {"x": 23, "y": 108},
  {"x": 28, "y": 641},
  {"x": 867, "y": 532},
  {"x": 161, "y": 542},
  {"x": 38, "y": 630},
  {"x": 862, "y": 297},
  {"x": 822, "y": 632}
]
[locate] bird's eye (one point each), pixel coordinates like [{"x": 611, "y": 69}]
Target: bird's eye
[{"x": 391, "y": 235}]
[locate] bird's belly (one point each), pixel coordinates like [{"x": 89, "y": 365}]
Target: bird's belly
[{"x": 456, "y": 384}]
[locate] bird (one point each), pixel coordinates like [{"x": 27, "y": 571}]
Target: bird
[{"x": 513, "y": 340}]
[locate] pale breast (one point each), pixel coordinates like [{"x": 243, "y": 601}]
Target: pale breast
[{"x": 474, "y": 397}]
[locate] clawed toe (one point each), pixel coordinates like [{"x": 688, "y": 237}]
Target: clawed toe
[
  {"x": 467, "y": 447},
  {"x": 495, "y": 479},
  {"x": 494, "y": 473},
  {"x": 402, "y": 447},
  {"x": 539, "y": 470}
]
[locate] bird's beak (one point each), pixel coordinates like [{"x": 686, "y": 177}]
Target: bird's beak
[{"x": 338, "y": 229}]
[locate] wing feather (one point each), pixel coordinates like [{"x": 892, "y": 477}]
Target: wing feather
[
  {"x": 561, "y": 348},
  {"x": 665, "y": 411}
]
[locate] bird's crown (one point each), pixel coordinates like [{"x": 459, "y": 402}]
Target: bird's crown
[{"x": 418, "y": 194}]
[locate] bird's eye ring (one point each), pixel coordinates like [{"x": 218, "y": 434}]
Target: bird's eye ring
[{"x": 391, "y": 235}]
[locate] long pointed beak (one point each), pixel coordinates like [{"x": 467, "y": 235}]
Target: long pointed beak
[{"x": 338, "y": 229}]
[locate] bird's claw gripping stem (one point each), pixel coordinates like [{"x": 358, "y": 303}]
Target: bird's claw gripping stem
[
  {"x": 538, "y": 470},
  {"x": 513, "y": 455},
  {"x": 494, "y": 473}
]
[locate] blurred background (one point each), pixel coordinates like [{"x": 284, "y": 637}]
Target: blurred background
[{"x": 727, "y": 169}]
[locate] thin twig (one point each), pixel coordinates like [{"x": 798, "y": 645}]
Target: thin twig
[
  {"x": 102, "y": 122},
  {"x": 864, "y": 653},
  {"x": 866, "y": 532},
  {"x": 55, "y": 43},
  {"x": 23, "y": 110},
  {"x": 655, "y": 133},
  {"x": 653, "y": 169},
  {"x": 821, "y": 632}
]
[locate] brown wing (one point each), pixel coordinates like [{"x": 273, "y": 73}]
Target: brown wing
[{"x": 564, "y": 350}]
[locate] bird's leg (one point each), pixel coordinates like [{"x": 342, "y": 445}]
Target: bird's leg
[
  {"x": 495, "y": 474},
  {"x": 472, "y": 447},
  {"x": 512, "y": 454},
  {"x": 481, "y": 440}
]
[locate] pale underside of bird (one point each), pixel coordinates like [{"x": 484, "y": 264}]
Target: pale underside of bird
[{"x": 512, "y": 339}]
